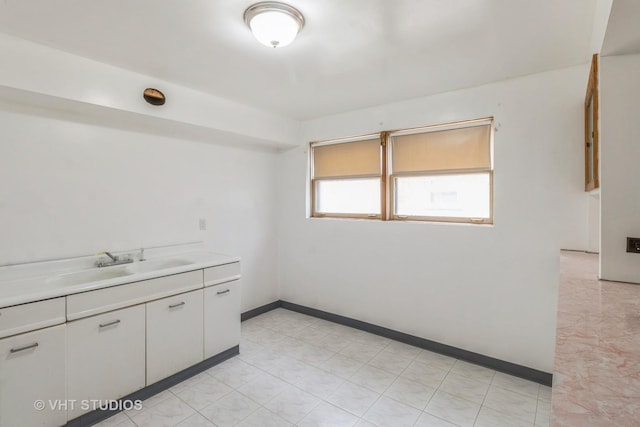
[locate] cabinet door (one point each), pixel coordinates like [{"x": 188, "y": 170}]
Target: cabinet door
[
  {"x": 32, "y": 368},
  {"x": 106, "y": 356},
  {"x": 221, "y": 317},
  {"x": 174, "y": 334}
]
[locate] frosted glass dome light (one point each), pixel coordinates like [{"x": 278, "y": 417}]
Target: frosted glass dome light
[{"x": 274, "y": 24}]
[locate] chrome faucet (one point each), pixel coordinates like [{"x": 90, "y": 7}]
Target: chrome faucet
[{"x": 115, "y": 260}]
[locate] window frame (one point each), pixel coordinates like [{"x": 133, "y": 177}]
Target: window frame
[
  {"x": 388, "y": 178},
  {"x": 393, "y": 216},
  {"x": 314, "y": 199},
  {"x": 592, "y": 142},
  {"x": 313, "y": 180},
  {"x": 470, "y": 220}
]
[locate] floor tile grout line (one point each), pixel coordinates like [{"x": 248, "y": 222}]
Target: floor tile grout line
[
  {"x": 510, "y": 415},
  {"x": 484, "y": 398},
  {"x": 535, "y": 416}
]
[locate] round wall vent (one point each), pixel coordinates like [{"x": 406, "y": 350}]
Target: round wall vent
[{"x": 154, "y": 96}]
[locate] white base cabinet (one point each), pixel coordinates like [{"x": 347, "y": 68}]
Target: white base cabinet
[
  {"x": 221, "y": 317},
  {"x": 32, "y": 378},
  {"x": 174, "y": 334},
  {"x": 116, "y": 340},
  {"x": 106, "y": 357}
]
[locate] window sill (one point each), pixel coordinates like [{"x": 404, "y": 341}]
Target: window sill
[{"x": 403, "y": 221}]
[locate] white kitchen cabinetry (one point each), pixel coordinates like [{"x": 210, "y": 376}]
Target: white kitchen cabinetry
[
  {"x": 29, "y": 317},
  {"x": 32, "y": 373},
  {"x": 74, "y": 345},
  {"x": 174, "y": 334},
  {"x": 99, "y": 301},
  {"x": 106, "y": 356},
  {"x": 221, "y": 317}
]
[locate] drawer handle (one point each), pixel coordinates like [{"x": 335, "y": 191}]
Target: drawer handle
[
  {"x": 180, "y": 304},
  {"x": 104, "y": 325},
  {"x": 26, "y": 347},
  {"x": 223, "y": 292}
]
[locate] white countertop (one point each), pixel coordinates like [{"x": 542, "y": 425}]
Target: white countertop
[{"x": 20, "y": 284}]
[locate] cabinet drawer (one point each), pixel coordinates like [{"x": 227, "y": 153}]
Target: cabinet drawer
[
  {"x": 28, "y": 317},
  {"x": 32, "y": 368},
  {"x": 221, "y": 274},
  {"x": 102, "y": 300}
]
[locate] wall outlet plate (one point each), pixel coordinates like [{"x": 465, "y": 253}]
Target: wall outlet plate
[
  {"x": 633, "y": 245},
  {"x": 202, "y": 224}
]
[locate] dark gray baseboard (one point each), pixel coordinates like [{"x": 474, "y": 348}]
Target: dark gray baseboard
[
  {"x": 259, "y": 310},
  {"x": 98, "y": 415},
  {"x": 530, "y": 374}
]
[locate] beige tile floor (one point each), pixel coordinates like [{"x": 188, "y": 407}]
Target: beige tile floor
[{"x": 298, "y": 370}]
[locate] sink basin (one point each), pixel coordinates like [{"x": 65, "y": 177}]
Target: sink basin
[
  {"x": 87, "y": 276},
  {"x": 152, "y": 265},
  {"x": 106, "y": 273}
]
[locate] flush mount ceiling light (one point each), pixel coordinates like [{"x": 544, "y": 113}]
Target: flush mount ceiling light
[{"x": 274, "y": 24}]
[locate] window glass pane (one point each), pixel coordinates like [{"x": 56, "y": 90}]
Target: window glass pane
[
  {"x": 348, "y": 196},
  {"x": 456, "y": 196}
]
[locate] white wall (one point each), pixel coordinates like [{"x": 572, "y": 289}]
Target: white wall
[
  {"x": 33, "y": 68},
  {"x": 70, "y": 189},
  {"x": 600, "y": 21},
  {"x": 488, "y": 289},
  {"x": 619, "y": 154},
  {"x": 593, "y": 222}
]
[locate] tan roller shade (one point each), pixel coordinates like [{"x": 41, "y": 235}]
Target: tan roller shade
[
  {"x": 452, "y": 149},
  {"x": 347, "y": 159}
]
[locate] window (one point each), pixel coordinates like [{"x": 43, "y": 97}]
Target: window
[
  {"x": 346, "y": 178},
  {"x": 435, "y": 173},
  {"x": 442, "y": 173}
]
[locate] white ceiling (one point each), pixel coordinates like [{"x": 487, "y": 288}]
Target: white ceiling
[{"x": 351, "y": 53}]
